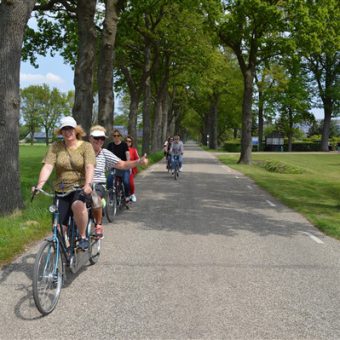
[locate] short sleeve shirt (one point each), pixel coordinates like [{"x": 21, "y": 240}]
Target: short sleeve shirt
[
  {"x": 105, "y": 160},
  {"x": 70, "y": 164},
  {"x": 177, "y": 148},
  {"x": 119, "y": 149}
]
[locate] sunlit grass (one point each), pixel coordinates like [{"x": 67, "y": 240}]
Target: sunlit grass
[{"x": 314, "y": 190}]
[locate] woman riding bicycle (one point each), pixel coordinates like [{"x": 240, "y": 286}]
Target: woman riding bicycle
[
  {"x": 177, "y": 149},
  {"x": 74, "y": 160},
  {"x": 121, "y": 150},
  {"x": 105, "y": 160}
]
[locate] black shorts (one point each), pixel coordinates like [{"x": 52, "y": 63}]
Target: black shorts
[{"x": 65, "y": 204}]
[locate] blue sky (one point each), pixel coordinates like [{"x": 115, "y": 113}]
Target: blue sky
[{"x": 52, "y": 71}]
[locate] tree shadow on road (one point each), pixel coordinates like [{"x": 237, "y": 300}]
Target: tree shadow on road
[{"x": 222, "y": 204}]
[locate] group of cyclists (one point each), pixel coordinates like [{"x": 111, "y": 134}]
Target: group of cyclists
[
  {"x": 173, "y": 147},
  {"x": 81, "y": 164}
]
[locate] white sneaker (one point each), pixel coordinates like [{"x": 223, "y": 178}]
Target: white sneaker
[
  {"x": 181, "y": 168},
  {"x": 133, "y": 198}
]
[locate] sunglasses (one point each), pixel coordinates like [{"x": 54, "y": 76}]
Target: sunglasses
[
  {"x": 99, "y": 138},
  {"x": 67, "y": 128},
  {"x": 116, "y": 135},
  {"x": 129, "y": 141}
]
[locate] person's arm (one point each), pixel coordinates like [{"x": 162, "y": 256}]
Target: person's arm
[
  {"x": 89, "y": 162},
  {"x": 89, "y": 172},
  {"x": 44, "y": 175},
  {"x": 125, "y": 165}
]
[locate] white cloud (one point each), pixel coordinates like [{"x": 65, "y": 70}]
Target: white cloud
[{"x": 33, "y": 79}]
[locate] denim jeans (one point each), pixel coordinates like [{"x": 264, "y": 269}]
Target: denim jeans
[{"x": 180, "y": 161}]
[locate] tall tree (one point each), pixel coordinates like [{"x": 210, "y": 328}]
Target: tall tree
[
  {"x": 315, "y": 25},
  {"x": 84, "y": 68},
  {"x": 105, "y": 65},
  {"x": 249, "y": 27},
  {"x": 14, "y": 15},
  {"x": 31, "y": 108}
]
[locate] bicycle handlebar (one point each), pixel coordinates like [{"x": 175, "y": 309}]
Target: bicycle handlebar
[{"x": 52, "y": 195}]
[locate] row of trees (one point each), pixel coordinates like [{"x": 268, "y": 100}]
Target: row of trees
[{"x": 190, "y": 66}]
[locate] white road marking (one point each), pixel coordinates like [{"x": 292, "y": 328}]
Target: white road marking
[
  {"x": 314, "y": 238},
  {"x": 249, "y": 187},
  {"x": 271, "y": 203}
]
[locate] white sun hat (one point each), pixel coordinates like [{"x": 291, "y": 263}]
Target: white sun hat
[
  {"x": 98, "y": 133},
  {"x": 67, "y": 121}
]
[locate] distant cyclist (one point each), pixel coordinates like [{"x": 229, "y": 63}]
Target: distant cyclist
[
  {"x": 177, "y": 149},
  {"x": 166, "y": 149}
]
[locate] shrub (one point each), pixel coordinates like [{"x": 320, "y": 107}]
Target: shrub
[{"x": 279, "y": 167}]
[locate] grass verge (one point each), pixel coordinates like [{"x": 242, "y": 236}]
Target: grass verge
[{"x": 308, "y": 183}]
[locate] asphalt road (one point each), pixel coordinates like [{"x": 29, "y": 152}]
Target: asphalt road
[{"x": 208, "y": 256}]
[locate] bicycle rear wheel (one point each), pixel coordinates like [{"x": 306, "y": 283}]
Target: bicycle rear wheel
[
  {"x": 47, "y": 277},
  {"x": 111, "y": 205},
  {"x": 120, "y": 192}
]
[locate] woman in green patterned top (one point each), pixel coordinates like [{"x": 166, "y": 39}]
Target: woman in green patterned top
[{"x": 74, "y": 161}]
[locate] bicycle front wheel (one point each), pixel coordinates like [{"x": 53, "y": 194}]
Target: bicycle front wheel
[
  {"x": 176, "y": 172},
  {"x": 111, "y": 205},
  {"x": 47, "y": 277}
]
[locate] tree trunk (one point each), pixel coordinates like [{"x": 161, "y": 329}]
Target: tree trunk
[
  {"x": 260, "y": 120},
  {"x": 146, "y": 110},
  {"x": 147, "y": 99},
  {"x": 132, "y": 123},
  {"x": 105, "y": 66},
  {"x": 246, "y": 142},
  {"x": 327, "y": 99},
  {"x": 213, "y": 122},
  {"x": 83, "y": 75},
  {"x": 290, "y": 130},
  {"x": 134, "y": 92},
  {"x": 326, "y": 124},
  {"x": 165, "y": 112},
  {"x": 46, "y": 135},
  {"x": 158, "y": 123},
  {"x": 14, "y": 16}
]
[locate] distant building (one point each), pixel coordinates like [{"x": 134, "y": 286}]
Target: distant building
[{"x": 38, "y": 137}]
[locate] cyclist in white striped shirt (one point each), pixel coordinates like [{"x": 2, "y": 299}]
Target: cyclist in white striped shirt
[{"x": 105, "y": 160}]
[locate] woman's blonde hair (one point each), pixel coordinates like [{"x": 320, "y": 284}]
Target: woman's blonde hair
[{"x": 80, "y": 133}]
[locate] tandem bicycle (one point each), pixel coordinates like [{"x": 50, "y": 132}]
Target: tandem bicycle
[{"x": 59, "y": 252}]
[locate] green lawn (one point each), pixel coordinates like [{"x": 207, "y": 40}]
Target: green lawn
[
  {"x": 20, "y": 229},
  {"x": 307, "y": 182}
]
